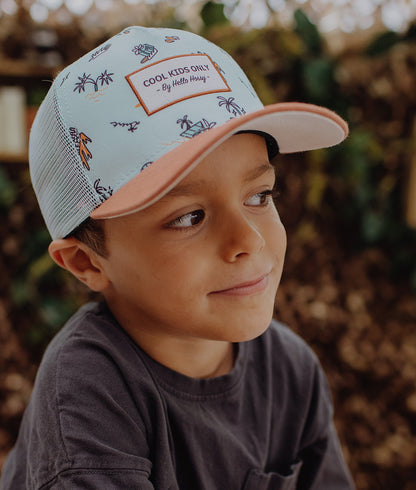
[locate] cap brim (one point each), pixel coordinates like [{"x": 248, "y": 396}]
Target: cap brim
[{"x": 295, "y": 126}]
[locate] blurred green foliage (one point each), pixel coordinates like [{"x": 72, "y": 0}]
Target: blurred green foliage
[
  {"x": 308, "y": 33},
  {"x": 7, "y": 191},
  {"x": 212, "y": 14},
  {"x": 382, "y": 43},
  {"x": 35, "y": 288}
]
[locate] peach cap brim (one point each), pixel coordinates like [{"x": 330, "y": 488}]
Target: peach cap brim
[{"x": 295, "y": 126}]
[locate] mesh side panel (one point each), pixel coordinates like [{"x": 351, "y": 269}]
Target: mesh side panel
[{"x": 65, "y": 195}]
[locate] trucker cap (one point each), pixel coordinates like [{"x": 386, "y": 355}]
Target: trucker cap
[{"x": 126, "y": 122}]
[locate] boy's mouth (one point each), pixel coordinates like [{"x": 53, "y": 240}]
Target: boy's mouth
[{"x": 246, "y": 288}]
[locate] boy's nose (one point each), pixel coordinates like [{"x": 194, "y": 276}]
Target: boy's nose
[{"x": 241, "y": 237}]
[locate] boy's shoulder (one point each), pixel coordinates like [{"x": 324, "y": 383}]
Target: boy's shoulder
[
  {"x": 88, "y": 336},
  {"x": 87, "y": 320},
  {"x": 90, "y": 324},
  {"x": 90, "y": 348}
]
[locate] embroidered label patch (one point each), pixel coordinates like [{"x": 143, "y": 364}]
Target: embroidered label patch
[{"x": 171, "y": 80}]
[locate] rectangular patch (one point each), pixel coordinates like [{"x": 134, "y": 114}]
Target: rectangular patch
[{"x": 172, "y": 80}]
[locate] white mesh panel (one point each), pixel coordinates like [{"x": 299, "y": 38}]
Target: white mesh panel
[{"x": 65, "y": 195}]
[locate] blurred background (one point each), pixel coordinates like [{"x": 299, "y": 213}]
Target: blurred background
[{"x": 349, "y": 286}]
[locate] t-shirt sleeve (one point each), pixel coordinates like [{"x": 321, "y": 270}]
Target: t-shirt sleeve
[{"x": 102, "y": 423}]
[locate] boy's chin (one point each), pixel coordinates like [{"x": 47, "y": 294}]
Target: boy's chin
[{"x": 245, "y": 333}]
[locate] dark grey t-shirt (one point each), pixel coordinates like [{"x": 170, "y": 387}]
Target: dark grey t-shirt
[{"x": 103, "y": 415}]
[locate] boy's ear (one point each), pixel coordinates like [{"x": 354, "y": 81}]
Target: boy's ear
[{"x": 81, "y": 261}]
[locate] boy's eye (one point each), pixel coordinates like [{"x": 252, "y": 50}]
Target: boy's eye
[
  {"x": 260, "y": 199},
  {"x": 188, "y": 220}
]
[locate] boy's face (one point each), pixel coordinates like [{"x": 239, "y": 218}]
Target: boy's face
[{"x": 205, "y": 261}]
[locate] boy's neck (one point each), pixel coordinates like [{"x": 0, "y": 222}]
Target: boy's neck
[{"x": 196, "y": 358}]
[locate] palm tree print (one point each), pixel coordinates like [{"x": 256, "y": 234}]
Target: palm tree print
[
  {"x": 231, "y": 106},
  {"x": 184, "y": 122},
  {"x": 103, "y": 78}
]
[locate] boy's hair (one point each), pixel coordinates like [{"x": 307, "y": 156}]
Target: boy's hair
[{"x": 92, "y": 233}]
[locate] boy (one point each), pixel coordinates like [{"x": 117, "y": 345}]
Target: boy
[{"x": 150, "y": 157}]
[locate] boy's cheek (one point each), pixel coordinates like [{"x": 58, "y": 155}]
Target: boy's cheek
[{"x": 277, "y": 234}]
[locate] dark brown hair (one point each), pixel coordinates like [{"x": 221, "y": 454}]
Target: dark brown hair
[{"x": 92, "y": 233}]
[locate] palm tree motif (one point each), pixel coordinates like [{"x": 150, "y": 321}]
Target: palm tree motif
[
  {"x": 102, "y": 191},
  {"x": 103, "y": 78},
  {"x": 231, "y": 106},
  {"x": 184, "y": 122}
]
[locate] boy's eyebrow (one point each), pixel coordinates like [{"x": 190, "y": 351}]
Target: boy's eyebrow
[
  {"x": 257, "y": 172},
  {"x": 186, "y": 189}
]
